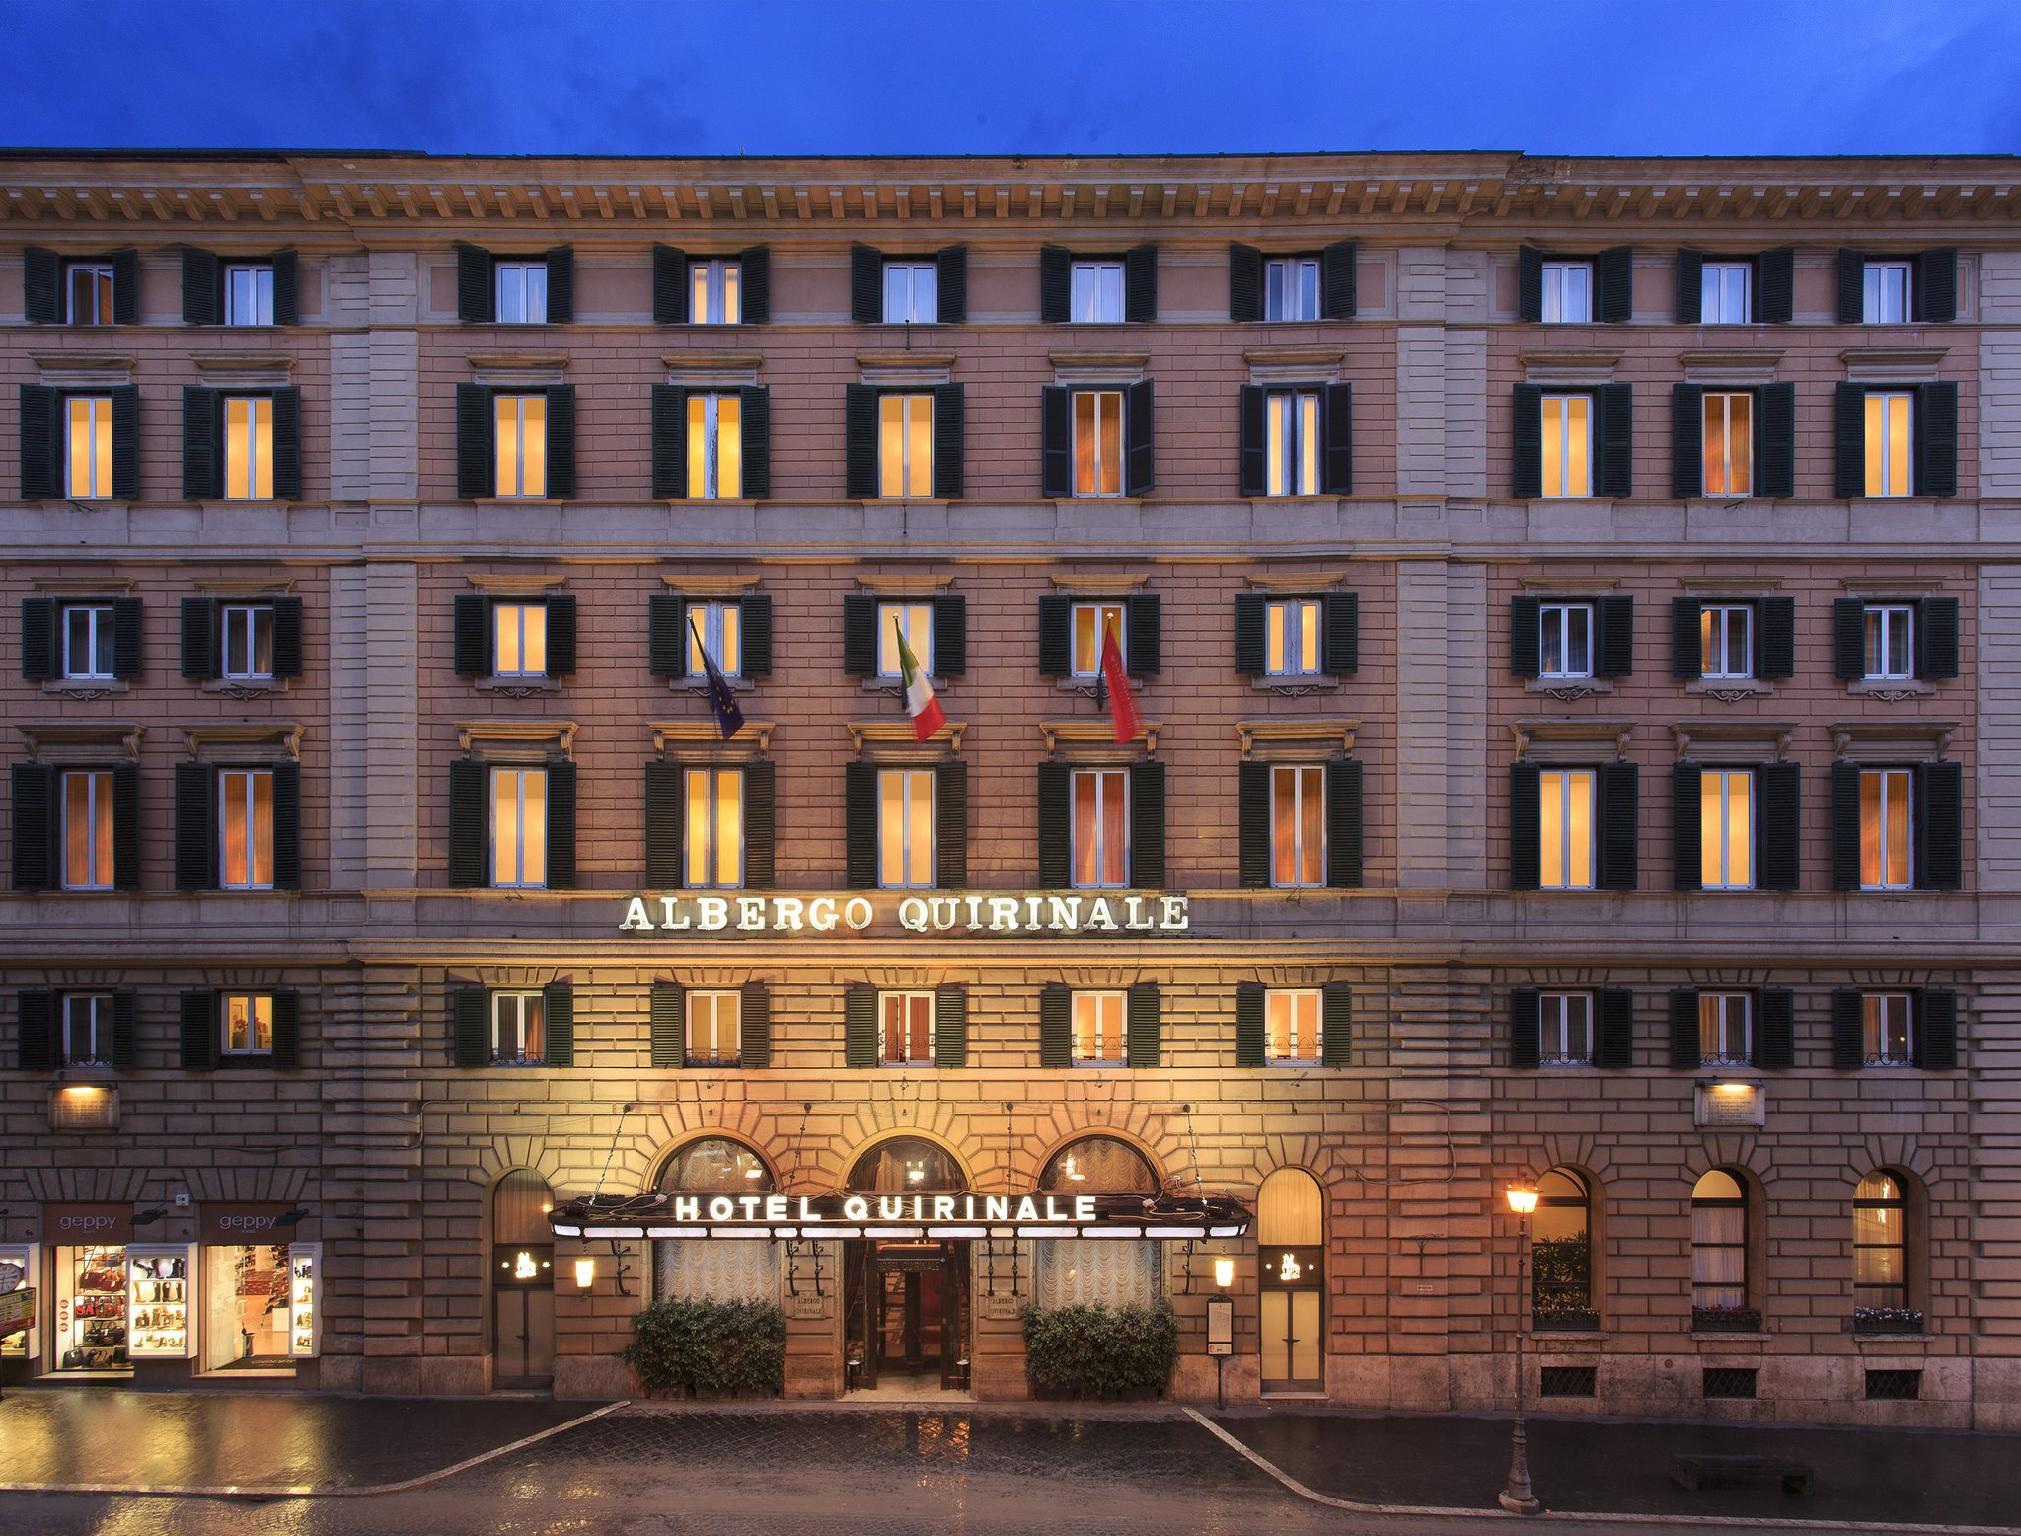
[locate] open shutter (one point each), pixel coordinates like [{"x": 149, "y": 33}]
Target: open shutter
[
  {"x": 1937, "y": 638},
  {"x": 1687, "y": 439},
  {"x": 1775, "y": 442},
  {"x": 859, "y": 1025},
  {"x": 1614, "y": 1044},
  {"x": 756, "y": 400},
  {"x": 1690, "y": 287},
  {"x": 126, "y": 638},
  {"x": 754, "y": 273},
  {"x": 41, "y": 286},
  {"x": 666, "y": 1015},
  {"x": 126, "y": 826},
  {"x": 287, "y": 444},
  {"x": 1525, "y": 637},
  {"x": 126, "y": 287},
  {"x": 1245, "y": 284},
  {"x": 859, "y": 432},
  {"x": 670, "y": 286},
  {"x": 1526, "y": 443},
  {"x": 665, "y": 805},
  {"x": 1056, "y": 443},
  {"x": 1687, "y": 659},
  {"x": 42, "y": 433},
  {"x": 950, "y": 826},
  {"x": 761, "y": 800},
  {"x": 1684, "y": 1029},
  {"x": 202, "y": 445},
  {"x": 472, "y": 648},
  {"x": 950, "y": 1025},
  {"x": 1614, "y": 285},
  {"x": 1937, "y": 1029},
  {"x": 1143, "y": 633},
  {"x": 1940, "y": 832},
  {"x": 39, "y": 644},
  {"x": 559, "y": 1000},
  {"x": 859, "y": 634},
  {"x": 34, "y": 807},
  {"x": 1778, "y": 830},
  {"x": 1687, "y": 832},
  {"x": 196, "y": 840},
  {"x": 1525, "y": 827},
  {"x": 1344, "y": 824},
  {"x": 287, "y": 288},
  {"x": 201, "y": 281},
  {"x": 1056, "y": 1025},
  {"x": 1340, "y": 633},
  {"x": 1775, "y": 1029},
  {"x": 287, "y": 1028},
  {"x": 287, "y": 636},
  {"x": 126, "y": 442},
  {"x": 1141, "y": 1030},
  {"x": 1775, "y": 620},
  {"x": 666, "y": 636},
  {"x": 1619, "y": 797},
  {"x": 1849, "y": 1046},
  {"x": 1056, "y": 284},
  {"x": 1140, "y": 284},
  {"x": 1614, "y": 458},
  {"x": 561, "y": 786},
  {"x": 476, "y": 300},
  {"x": 287, "y": 826},
  {"x": 670, "y": 441},
  {"x": 1147, "y": 825},
  {"x": 1336, "y": 1024},
  {"x": 469, "y": 1026},
  {"x": 1249, "y": 633},
  {"x": 1852, "y": 287},
  {"x": 949, "y": 438},
  {"x": 1248, "y": 1023},
  {"x": 859, "y": 816},
  {"x": 560, "y": 635},
  {"x": 1252, "y": 821},
  {"x": 1529, "y": 284},
  {"x": 1524, "y": 1046},
  {"x": 1849, "y": 441},
  {"x": 1140, "y": 465},
  {"x": 755, "y": 614},
  {"x": 1936, "y": 280},
  {"x": 199, "y": 638},
  {"x": 474, "y": 467},
  {"x": 951, "y": 285},
  {"x": 1849, "y": 638},
  {"x": 754, "y": 1025},
  {"x": 1337, "y": 463},
  {"x": 1845, "y": 826},
  {"x": 125, "y": 1028},
  {"x": 1775, "y": 286},
  {"x": 1055, "y": 820},
  {"x": 467, "y": 787},
  {"x": 1251, "y": 474},
  {"x": 199, "y": 1029},
  {"x": 1336, "y": 281},
  {"x": 1614, "y": 635},
  {"x": 1056, "y": 611},
  {"x": 1937, "y": 438},
  {"x": 866, "y": 285},
  {"x": 950, "y": 635},
  {"x": 561, "y": 441}
]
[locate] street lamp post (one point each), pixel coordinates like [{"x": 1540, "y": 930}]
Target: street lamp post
[{"x": 1518, "y": 1498}]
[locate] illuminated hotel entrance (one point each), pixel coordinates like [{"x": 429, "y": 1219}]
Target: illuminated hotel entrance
[{"x": 906, "y": 1300}]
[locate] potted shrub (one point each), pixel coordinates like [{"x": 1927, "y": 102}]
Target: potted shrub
[
  {"x": 709, "y": 1348},
  {"x": 1099, "y": 1351},
  {"x": 1887, "y": 1320},
  {"x": 1726, "y": 1320},
  {"x": 1562, "y": 1285}
]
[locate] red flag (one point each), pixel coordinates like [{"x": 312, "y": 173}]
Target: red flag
[{"x": 1122, "y": 703}]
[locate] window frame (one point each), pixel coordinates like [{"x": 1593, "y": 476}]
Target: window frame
[
  {"x": 1555, "y": 1028},
  {"x": 1898, "y": 1203},
  {"x": 904, "y": 610},
  {"x": 908, "y": 996},
  {"x": 254, "y": 1002},
  {"x": 521, "y": 606},
  {"x": 921, "y": 290},
  {"x": 909, "y": 402},
  {"x": 1732, "y": 465},
  {"x": 1107, "y": 777},
  {"x": 1879, "y": 624},
  {"x": 257, "y": 446},
  {"x": 1716, "y": 1010},
  {"x": 1310, "y": 777},
  {"x": 1716, "y": 841},
  {"x": 1709, "y": 1246},
  {"x": 1879, "y": 466},
  {"x": 248, "y": 617},
  {"x": 1296, "y": 998},
  {"x": 706, "y": 449},
  {"x": 1560, "y": 402},
  {"x": 1569, "y": 779},
  {"x": 720, "y": 281},
  {"x": 1892, "y": 778},
  {"x": 261, "y": 275},
  {"x": 1716, "y": 621},
  {"x": 1713, "y": 291},
  {"x": 1874, "y": 290},
  {"x": 1107, "y": 404},
  {"x": 523, "y": 269},
  {"x": 100, "y": 642},
  {"x": 98, "y": 790},
  {"x": 1096, "y": 610},
  {"x": 713, "y": 776},
  {"x": 103, "y": 292},
  {"x": 98, "y": 1027},
  {"x": 1099, "y": 1000},
  {"x": 520, "y": 998},
  {"x": 1874, "y": 1008},
  {"x": 519, "y": 401},
  {"x": 1561, "y": 613},
  {"x": 522, "y": 773},
  {"x": 1295, "y": 418},
  {"x": 1277, "y": 629},
  {"x": 1097, "y": 272},
  {"x": 1287, "y": 270},
  {"x": 721, "y": 622},
  {"x": 251, "y": 775},
  {"x": 919, "y": 785},
  {"x": 715, "y": 997},
  {"x": 1556, "y": 273},
  {"x": 99, "y": 425}
]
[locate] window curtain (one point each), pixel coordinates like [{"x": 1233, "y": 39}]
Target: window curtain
[
  {"x": 700, "y": 1270},
  {"x": 1076, "y": 1272}
]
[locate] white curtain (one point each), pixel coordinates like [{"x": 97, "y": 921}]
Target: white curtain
[
  {"x": 1088, "y": 1270},
  {"x": 719, "y": 1270}
]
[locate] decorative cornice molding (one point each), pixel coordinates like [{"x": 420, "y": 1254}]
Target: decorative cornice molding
[
  {"x": 898, "y": 733},
  {"x": 56, "y": 741},
  {"x": 1733, "y": 741},
  {"x": 211, "y": 736},
  {"x": 1317, "y": 732},
  {"x": 1097, "y": 731},
  {"x": 1892, "y": 738},
  {"x": 701, "y": 733},
  {"x": 508, "y": 584},
  {"x": 1535, "y": 739},
  {"x": 688, "y": 584},
  {"x": 472, "y": 735}
]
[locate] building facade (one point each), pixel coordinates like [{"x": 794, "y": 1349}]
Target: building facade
[{"x": 1573, "y": 616}]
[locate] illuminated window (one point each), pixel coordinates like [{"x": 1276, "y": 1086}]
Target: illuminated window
[
  {"x": 1297, "y": 826},
  {"x": 1101, "y": 827},
  {"x": 518, "y": 1029},
  {"x": 911, "y": 293},
  {"x": 521, "y": 292},
  {"x": 246, "y": 829},
  {"x": 247, "y": 1024},
  {"x": 1565, "y": 1029},
  {"x": 905, "y": 828},
  {"x": 1884, "y": 829},
  {"x": 1726, "y": 829},
  {"x": 1291, "y": 637},
  {"x": 1726, "y": 640},
  {"x": 1561, "y": 1252},
  {"x": 715, "y": 292},
  {"x": 519, "y": 639},
  {"x": 720, "y": 626},
  {"x": 916, "y": 619},
  {"x": 713, "y": 1029},
  {"x": 87, "y": 1029},
  {"x": 905, "y": 445},
  {"x": 1726, "y": 1028},
  {"x": 1291, "y": 1024},
  {"x": 1890, "y": 641},
  {"x": 249, "y": 447},
  {"x": 1099, "y": 1030},
  {"x": 519, "y": 424},
  {"x": 88, "y": 446},
  {"x": 1726, "y": 293},
  {"x": 87, "y": 292},
  {"x": 1887, "y": 1022},
  {"x": 1568, "y": 445},
  {"x": 1729, "y": 443},
  {"x": 1097, "y": 293},
  {"x": 87, "y": 642},
  {"x": 906, "y": 1028},
  {"x": 715, "y": 828},
  {"x": 1718, "y": 1243},
  {"x": 1890, "y": 442},
  {"x": 1565, "y": 799},
  {"x": 518, "y": 827},
  {"x": 1564, "y": 640},
  {"x": 1098, "y": 442},
  {"x": 715, "y": 447},
  {"x": 1291, "y": 288},
  {"x": 1568, "y": 293},
  {"x": 1091, "y": 622},
  {"x": 246, "y": 641},
  {"x": 87, "y": 829},
  {"x": 1880, "y": 1243},
  {"x": 249, "y": 294},
  {"x": 1291, "y": 442}
]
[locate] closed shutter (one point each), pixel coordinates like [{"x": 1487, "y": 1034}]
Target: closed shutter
[
  {"x": 1845, "y": 826},
  {"x": 1248, "y": 1023},
  {"x": 1336, "y": 281},
  {"x": 1937, "y": 439},
  {"x": 196, "y": 824},
  {"x": 1141, "y": 439},
  {"x": 754, "y": 272},
  {"x": 1140, "y": 284},
  {"x": 1614, "y": 285},
  {"x": 756, "y": 400},
  {"x": 287, "y": 444},
  {"x": 1251, "y": 472},
  {"x": 34, "y": 807},
  {"x": 42, "y": 434},
  {"x": 287, "y": 1028},
  {"x": 559, "y": 1005},
  {"x": 1775, "y": 1031},
  {"x": 951, "y": 285},
  {"x": 1055, "y": 819},
  {"x": 761, "y": 798},
  {"x": 949, "y": 436},
  {"x": 1056, "y": 1025},
  {"x": 1142, "y": 1048},
  {"x": 1525, "y": 638},
  {"x": 1143, "y": 633},
  {"x": 950, "y": 1025},
  {"x": 1250, "y": 652},
  {"x": 126, "y": 638},
  {"x": 561, "y": 826},
  {"x": 287, "y": 288},
  {"x": 670, "y": 442},
  {"x": 1245, "y": 284},
  {"x": 1337, "y": 463},
  {"x": 475, "y": 470},
  {"x": 1525, "y": 1048},
  {"x": 1940, "y": 830},
  {"x": 866, "y": 285},
  {"x": 39, "y": 645},
  {"x": 754, "y": 1025},
  {"x": 950, "y": 826},
  {"x": 1056, "y": 442},
  {"x": 859, "y": 819},
  {"x": 287, "y": 826},
  {"x": 1147, "y": 825},
  {"x": 1252, "y": 821},
  {"x": 1526, "y": 443},
  {"x": 125, "y": 1028},
  {"x": 1687, "y": 658},
  {"x": 476, "y": 298},
  {"x": 666, "y": 1021},
  {"x": 1684, "y": 1029},
  {"x": 1775, "y": 442},
  {"x": 471, "y": 651},
  {"x": 1936, "y": 279},
  {"x": 1849, "y": 441},
  {"x": 1056, "y": 284},
  {"x": 1687, "y": 439},
  {"x": 1336, "y": 1024},
  {"x": 859, "y": 432},
  {"x": 1344, "y": 824},
  {"x": 859, "y": 1025},
  {"x": 1937, "y": 638},
  {"x": 1690, "y": 287},
  {"x": 1056, "y": 614},
  {"x": 41, "y": 286},
  {"x": 670, "y": 286},
  {"x": 665, "y": 807},
  {"x": 1775, "y": 619},
  {"x": 666, "y": 636},
  {"x": 950, "y": 635},
  {"x": 1849, "y": 1044},
  {"x": 470, "y": 1026},
  {"x": 126, "y": 287},
  {"x": 560, "y": 635},
  {"x": 1687, "y": 832},
  {"x": 1849, "y": 638},
  {"x": 1775, "y": 286},
  {"x": 126, "y": 826},
  {"x": 1619, "y": 794},
  {"x": 468, "y": 865},
  {"x": 1614, "y": 455},
  {"x": 755, "y": 613},
  {"x": 560, "y": 441},
  {"x": 1852, "y": 287},
  {"x": 126, "y": 442},
  {"x": 287, "y": 637},
  {"x": 1614, "y": 636},
  {"x": 202, "y": 445},
  {"x": 1525, "y": 827},
  {"x": 199, "y": 1030},
  {"x": 1614, "y": 1046},
  {"x": 1778, "y": 824},
  {"x": 1937, "y": 1029},
  {"x": 1529, "y": 284}
]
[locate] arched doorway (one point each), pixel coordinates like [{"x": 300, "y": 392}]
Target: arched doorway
[
  {"x": 906, "y": 1301},
  {"x": 1291, "y": 1271},
  {"x": 716, "y": 1270},
  {"x": 522, "y": 1281},
  {"x": 1077, "y": 1271}
]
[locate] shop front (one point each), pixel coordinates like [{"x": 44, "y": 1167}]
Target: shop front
[
  {"x": 87, "y": 1291},
  {"x": 259, "y": 1291}
]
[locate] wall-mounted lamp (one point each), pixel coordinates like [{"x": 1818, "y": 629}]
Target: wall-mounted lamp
[
  {"x": 1224, "y": 1272},
  {"x": 585, "y": 1272},
  {"x": 1522, "y": 1198}
]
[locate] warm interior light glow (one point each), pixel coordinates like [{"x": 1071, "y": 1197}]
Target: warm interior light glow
[
  {"x": 1733, "y": 1090},
  {"x": 585, "y": 1272},
  {"x": 84, "y": 1093},
  {"x": 1522, "y": 1198},
  {"x": 1224, "y": 1273}
]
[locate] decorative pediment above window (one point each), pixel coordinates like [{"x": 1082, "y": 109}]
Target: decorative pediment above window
[
  {"x": 687, "y": 584},
  {"x": 1095, "y": 368},
  {"x": 1571, "y": 367},
  {"x": 520, "y": 370},
  {"x": 902, "y": 586},
  {"x": 69, "y": 741},
  {"x": 1892, "y": 365},
  {"x": 1569, "y": 586},
  {"x": 1099, "y": 586},
  {"x": 1878, "y": 740},
  {"x": 82, "y": 370},
  {"x": 1727, "y": 586},
  {"x": 1734, "y": 366},
  {"x": 521, "y": 740},
  {"x": 898, "y": 369},
  {"x": 1263, "y": 740},
  {"x": 1093, "y": 737},
  {"x": 1295, "y": 581},
  {"x": 1732, "y": 741},
  {"x": 243, "y": 587},
  {"x": 81, "y": 586},
  {"x": 245, "y": 371},
  {"x": 689, "y": 737},
  {"x": 703, "y": 370},
  {"x": 238, "y": 741},
  {"x": 1571, "y": 741},
  {"x": 510, "y": 585},
  {"x": 893, "y": 739}
]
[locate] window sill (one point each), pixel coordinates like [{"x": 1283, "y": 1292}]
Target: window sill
[
  {"x": 895, "y": 686},
  {"x": 518, "y": 687},
  {"x": 1568, "y": 688},
  {"x": 1729, "y": 690},
  {"x": 515, "y": 1065},
  {"x": 249, "y": 1061},
  {"x": 246, "y": 687},
  {"x": 1295, "y": 687},
  {"x": 84, "y": 687},
  {"x": 701, "y": 684},
  {"x": 1890, "y": 689},
  {"x": 711, "y": 1063},
  {"x": 743, "y": 503}
]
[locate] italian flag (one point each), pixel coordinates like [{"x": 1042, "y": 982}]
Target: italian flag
[{"x": 919, "y": 700}]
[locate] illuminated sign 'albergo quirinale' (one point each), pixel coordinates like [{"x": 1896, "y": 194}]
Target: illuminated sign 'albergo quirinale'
[{"x": 1073, "y": 913}]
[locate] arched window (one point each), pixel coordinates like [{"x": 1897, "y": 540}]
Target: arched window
[
  {"x": 716, "y": 1165},
  {"x": 1099, "y": 1165},
  {"x": 908, "y": 1165},
  {"x": 715, "y": 1269},
  {"x": 1561, "y": 1253},
  {"x": 1880, "y": 1247},
  {"x": 522, "y": 1280},
  {"x": 1719, "y": 1253},
  {"x": 1080, "y": 1270}
]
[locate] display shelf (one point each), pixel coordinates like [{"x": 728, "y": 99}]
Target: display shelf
[
  {"x": 158, "y": 1301},
  {"x": 305, "y": 1262}
]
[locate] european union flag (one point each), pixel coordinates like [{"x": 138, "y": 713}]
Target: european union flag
[{"x": 729, "y": 718}]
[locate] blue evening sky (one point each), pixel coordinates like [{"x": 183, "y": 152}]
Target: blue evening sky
[{"x": 1011, "y": 76}]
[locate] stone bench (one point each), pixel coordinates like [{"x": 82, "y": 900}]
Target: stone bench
[{"x": 1695, "y": 1472}]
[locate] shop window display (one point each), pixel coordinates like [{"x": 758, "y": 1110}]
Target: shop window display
[
  {"x": 17, "y": 1272},
  {"x": 248, "y": 1308},
  {"x": 158, "y": 1303},
  {"x": 91, "y": 1308}
]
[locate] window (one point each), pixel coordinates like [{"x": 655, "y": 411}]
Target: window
[
  {"x": 1297, "y": 826},
  {"x": 1568, "y": 293},
  {"x": 1291, "y": 1024},
  {"x": 905, "y": 445},
  {"x": 713, "y": 1020},
  {"x": 1291, "y": 442},
  {"x": 916, "y": 619},
  {"x": 1890, "y": 641},
  {"x": 246, "y": 641},
  {"x": 1101, "y": 827},
  {"x": 715, "y": 447},
  {"x": 1098, "y": 442},
  {"x": 1880, "y": 1243},
  {"x": 518, "y": 1029},
  {"x": 911, "y": 293},
  {"x": 1568, "y": 445},
  {"x": 905, "y": 828},
  {"x": 1726, "y": 293},
  {"x": 1291, "y": 288},
  {"x": 1564, "y": 640},
  {"x": 715, "y": 828},
  {"x": 87, "y": 642},
  {"x": 88, "y": 446},
  {"x": 246, "y": 829},
  {"x": 247, "y": 1024},
  {"x": 1291, "y": 637},
  {"x": 519, "y": 426},
  {"x": 1884, "y": 829},
  {"x": 1561, "y": 1253},
  {"x": 519, "y": 639},
  {"x": 1726, "y": 640},
  {"x": 522, "y": 292},
  {"x": 1091, "y": 622},
  {"x": 1725, "y": 1029},
  {"x": 1718, "y": 1244},
  {"x": 906, "y": 1033},
  {"x": 1887, "y": 1021},
  {"x": 249, "y": 447},
  {"x": 720, "y": 626},
  {"x": 1890, "y": 439},
  {"x": 1886, "y": 294},
  {"x": 1565, "y": 798},
  {"x": 87, "y": 292},
  {"x": 1729, "y": 443},
  {"x": 87, "y": 829},
  {"x": 249, "y": 294},
  {"x": 1097, "y": 296},
  {"x": 1099, "y": 1030},
  {"x": 1726, "y": 829},
  {"x": 87, "y": 1029},
  {"x": 1565, "y": 1029},
  {"x": 715, "y": 292},
  {"x": 518, "y": 827}
]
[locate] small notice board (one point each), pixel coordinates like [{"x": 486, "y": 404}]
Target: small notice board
[{"x": 1220, "y": 1326}]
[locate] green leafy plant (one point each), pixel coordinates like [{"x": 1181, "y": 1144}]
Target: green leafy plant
[
  {"x": 709, "y": 1348},
  {"x": 1098, "y": 1351}
]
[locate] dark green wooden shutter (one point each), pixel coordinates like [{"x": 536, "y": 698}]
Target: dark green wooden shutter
[
  {"x": 196, "y": 823},
  {"x": 1140, "y": 468},
  {"x": 1687, "y": 439},
  {"x": 1849, "y": 638},
  {"x": 1937, "y": 1029},
  {"x": 761, "y": 802},
  {"x": 1056, "y": 441},
  {"x": 39, "y": 642},
  {"x": 1526, "y": 443},
  {"x": 754, "y": 1025},
  {"x": 1336, "y": 281},
  {"x": 470, "y": 1026},
  {"x": 42, "y": 433},
  {"x": 34, "y": 807},
  {"x": 1525, "y": 1047},
  {"x": 1055, "y": 813},
  {"x": 126, "y": 826},
  {"x": 468, "y": 865},
  {"x": 475, "y": 469},
  {"x": 949, "y": 436},
  {"x": 950, "y": 635},
  {"x": 1778, "y": 822},
  {"x": 202, "y": 445},
  {"x": 1845, "y": 826},
  {"x": 1614, "y": 1043},
  {"x": 1336, "y": 1024},
  {"x": 560, "y": 1009},
  {"x": 950, "y": 826},
  {"x": 1775, "y": 1032},
  {"x": 1937, "y": 439},
  {"x": 1619, "y": 794},
  {"x": 1690, "y": 287},
  {"x": 666, "y": 1019},
  {"x": 755, "y": 616},
  {"x": 859, "y": 1025},
  {"x": 757, "y": 429},
  {"x": 1775, "y": 441},
  {"x": 476, "y": 301},
  {"x": 754, "y": 272},
  {"x": 126, "y": 287},
  {"x": 1142, "y": 1045},
  {"x": 1775, "y": 286},
  {"x": 1687, "y": 658},
  {"x": 1337, "y": 429},
  {"x": 126, "y": 638},
  {"x": 859, "y": 634},
  {"x": 1936, "y": 283},
  {"x": 199, "y": 1031},
  {"x": 471, "y": 651},
  {"x": 1937, "y": 638},
  {"x": 1940, "y": 826},
  {"x": 1614, "y": 285},
  {"x": 951, "y": 285},
  {"x": 1687, "y": 832},
  {"x": 1056, "y": 284},
  {"x": 1252, "y": 821},
  {"x": 1529, "y": 284},
  {"x": 287, "y": 636},
  {"x": 950, "y": 1025},
  {"x": 1340, "y": 633},
  {"x": 1245, "y": 284},
  {"x": 1852, "y": 287},
  {"x": 670, "y": 441},
  {"x": 665, "y": 807},
  {"x": 125, "y": 442},
  {"x": 1248, "y": 1023},
  {"x": 199, "y": 638},
  {"x": 287, "y": 826},
  {"x": 866, "y": 286},
  {"x": 1344, "y": 824},
  {"x": 1250, "y": 651},
  {"x": 560, "y": 441},
  {"x": 666, "y": 634},
  {"x": 1849, "y": 1043},
  {"x": 1613, "y": 635},
  {"x": 287, "y": 1051},
  {"x": 859, "y": 423},
  {"x": 41, "y": 286},
  {"x": 1775, "y": 642},
  {"x": 1849, "y": 441},
  {"x": 1251, "y": 473},
  {"x": 1143, "y": 634},
  {"x": 1147, "y": 825},
  {"x": 125, "y": 1028},
  {"x": 859, "y": 819},
  {"x": 287, "y": 444},
  {"x": 1614, "y": 450},
  {"x": 560, "y": 635},
  {"x": 1684, "y": 1029},
  {"x": 1525, "y": 827},
  {"x": 1056, "y": 1025},
  {"x": 561, "y": 787},
  {"x": 670, "y": 286},
  {"x": 287, "y": 288}
]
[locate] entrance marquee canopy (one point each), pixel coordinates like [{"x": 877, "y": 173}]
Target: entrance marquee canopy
[{"x": 934, "y": 1216}]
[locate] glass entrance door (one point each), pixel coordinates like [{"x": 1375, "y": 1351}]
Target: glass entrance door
[
  {"x": 910, "y": 1323},
  {"x": 907, "y": 1312},
  {"x": 1289, "y": 1341}
]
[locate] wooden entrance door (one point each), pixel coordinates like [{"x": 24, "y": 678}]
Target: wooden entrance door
[
  {"x": 907, "y": 1311},
  {"x": 1289, "y": 1341},
  {"x": 523, "y": 1331}
]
